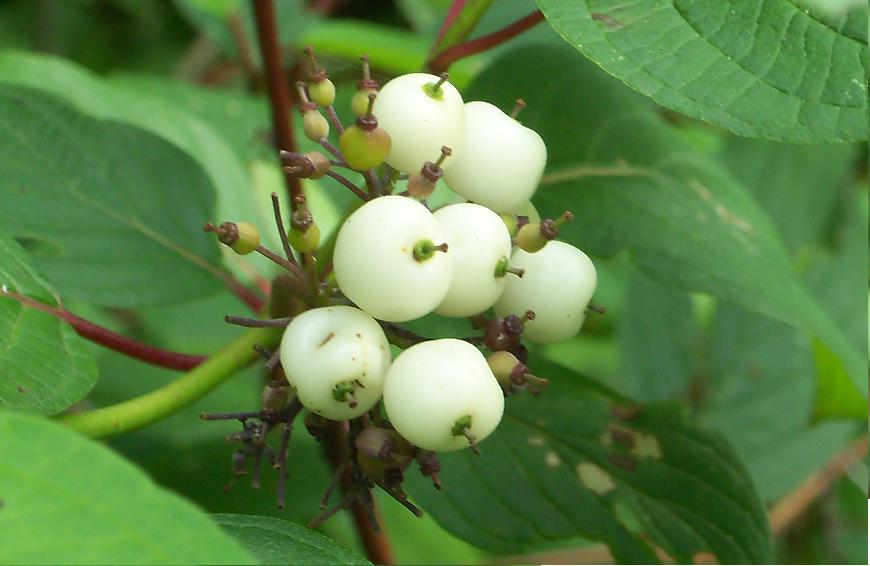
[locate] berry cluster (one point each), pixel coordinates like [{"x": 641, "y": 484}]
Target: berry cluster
[{"x": 395, "y": 260}]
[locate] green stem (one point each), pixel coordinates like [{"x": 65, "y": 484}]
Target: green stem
[{"x": 193, "y": 385}]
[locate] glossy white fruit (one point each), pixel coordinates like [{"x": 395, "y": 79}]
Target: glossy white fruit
[
  {"x": 558, "y": 284},
  {"x": 419, "y": 124},
  {"x": 478, "y": 240},
  {"x": 434, "y": 384},
  {"x": 375, "y": 265},
  {"x": 326, "y": 347},
  {"x": 501, "y": 162}
]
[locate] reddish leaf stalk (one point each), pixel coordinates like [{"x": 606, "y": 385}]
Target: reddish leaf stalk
[
  {"x": 443, "y": 60},
  {"x": 114, "y": 341},
  {"x": 276, "y": 83},
  {"x": 376, "y": 544}
]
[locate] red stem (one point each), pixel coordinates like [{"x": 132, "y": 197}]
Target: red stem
[
  {"x": 376, "y": 544},
  {"x": 114, "y": 341},
  {"x": 443, "y": 60},
  {"x": 276, "y": 82},
  {"x": 452, "y": 13},
  {"x": 247, "y": 296}
]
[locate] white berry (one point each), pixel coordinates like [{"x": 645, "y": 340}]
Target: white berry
[
  {"x": 478, "y": 241},
  {"x": 377, "y": 261},
  {"x": 501, "y": 162},
  {"x": 557, "y": 285},
  {"x": 434, "y": 385},
  {"x": 336, "y": 358},
  {"x": 419, "y": 120}
]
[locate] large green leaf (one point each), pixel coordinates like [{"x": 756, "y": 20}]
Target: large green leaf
[
  {"x": 204, "y": 125},
  {"x": 44, "y": 366},
  {"x": 273, "y": 541},
  {"x": 634, "y": 183},
  {"x": 656, "y": 338},
  {"x": 576, "y": 462},
  {"x": 69, "y": 500},
  {"x": 761, "y": 396},
  {"x": 111, "y": 213},
  {"x": 798, "y": 185},
  {"x": 777, "y": 69}
]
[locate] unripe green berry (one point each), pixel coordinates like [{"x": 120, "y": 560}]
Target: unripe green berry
[
  {"x": 248, "y": 240},
  {"x": 322, "y": 92},
  {"x": 305, "y": 241},
  {"x": 364, "y": 149},
  {"x": 315, "y": 125},
  {"x": 530, "y": 239},
  {"x": 360, "y": 101}
]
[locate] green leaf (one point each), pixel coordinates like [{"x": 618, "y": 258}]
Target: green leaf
[
  {"x": 656, "y": 338},
  {"x": 758, "y": 368},
  {"x": 112, "y": 214},
  {"x": 633, "y": 182},
  {"x": 69, "y": 500},
  {"x": 555, "y": 470},
  {"x": 203, "y": 126},
  {"x": 777, "y": 69},
  {"x": 463, "y": 17},
  {"x": 46, "y": 366},
  {"x": 273, "y": 541},
  {"x": 798, "y": 185}
]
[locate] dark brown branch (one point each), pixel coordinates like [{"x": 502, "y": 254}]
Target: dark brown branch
[
  {"x": 276, "y": 82},
  {"x": 347, "y": 183},
  {"x": 376, "y": 544},
  {"x": 114, "y": 341},
  {"x": 442, "y": 61}
]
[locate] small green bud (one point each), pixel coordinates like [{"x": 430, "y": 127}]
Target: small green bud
[
  {"x": 248, "y": 238},
  {"x": 305, "y": 241},
  {"x": 315, "y": 125},
  {"x": 322, "y": 92}
]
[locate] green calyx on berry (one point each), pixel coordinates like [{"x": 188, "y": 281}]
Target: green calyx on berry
[
  {"x": 344, "y": 392},
  {"x": 241, "y": 237},
  {"x": 366, "y": 86},
  {"x": 314, "y": 124},
  {"x": 462, "y": 427},
  {"x": 321, "y": 89},
  {"x": 364, "y": 144},
  {"x": 512, "y": 374},
  {"x": 534, "y": 236},
  {"x": 422, "y": 183},
  {"x": 502, "y": 268},
  {"x": 433, "y": 90},
  {"x": 425, "y": 249}
]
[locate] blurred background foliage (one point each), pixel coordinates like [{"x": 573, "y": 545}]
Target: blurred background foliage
[{"x": 752, "y": 378}]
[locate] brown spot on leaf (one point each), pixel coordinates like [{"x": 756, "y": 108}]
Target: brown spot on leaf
[
  {"x": 622, "y": 461},
  {"x": 607, "y": 20},
  {"x": 22, "y": 390},
  {"x": 625, "y": 412},
  {"x": 704, "y": 557}
]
